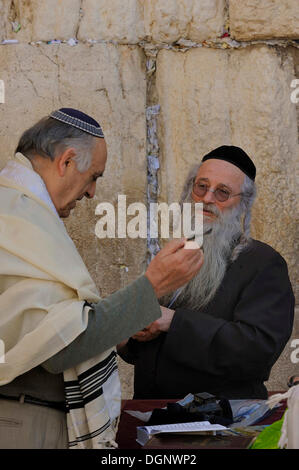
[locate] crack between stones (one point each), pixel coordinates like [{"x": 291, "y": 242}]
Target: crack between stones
[
  {"x": 42, "y": 52},
  {"x": 226, "y": 13},
  {"x": 105, "y": 92},
  {"x": 31, "y": 82},
  {"x": 23, "y": 72},
  {"x": 183, "y": 45},
  {"x": 152, "y": 148},
  {"x": 81, "y": 14}
]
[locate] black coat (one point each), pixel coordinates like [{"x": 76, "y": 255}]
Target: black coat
[{"x": 229, "y": 347}]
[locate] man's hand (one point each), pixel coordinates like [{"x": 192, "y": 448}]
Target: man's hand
[
  {"x": 173, "y": 267},
  {"x": 155, "y": 328}
]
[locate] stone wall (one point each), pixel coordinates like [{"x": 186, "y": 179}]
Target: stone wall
[{"x": 206, "y": 72}]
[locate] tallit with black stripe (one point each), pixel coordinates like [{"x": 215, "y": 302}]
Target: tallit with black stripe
[{"x": 93, "y": 402}]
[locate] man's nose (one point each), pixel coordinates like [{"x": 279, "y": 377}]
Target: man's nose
[
  {"x": 209, "y": 197},
  {"x": 91, "y": 190}
]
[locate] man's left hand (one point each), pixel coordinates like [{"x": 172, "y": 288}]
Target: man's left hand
[{"x": 154, "y": 329}]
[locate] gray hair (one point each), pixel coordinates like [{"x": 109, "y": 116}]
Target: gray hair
[
  {"x": 49, "y": 138},
  {"x": 248, "y": 190}
]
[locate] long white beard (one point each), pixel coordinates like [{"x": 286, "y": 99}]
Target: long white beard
[{"x": 217, "y": 247}]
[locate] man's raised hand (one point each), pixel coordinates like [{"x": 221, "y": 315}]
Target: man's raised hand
[{"x": 173, "y": 267}]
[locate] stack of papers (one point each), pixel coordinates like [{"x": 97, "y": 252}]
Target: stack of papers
[
  {"x": 246, "y": 412},
  {"x": 144, "y": 433}
]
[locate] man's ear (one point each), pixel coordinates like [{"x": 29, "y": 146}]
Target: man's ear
[{"x": 64, "y": 160}]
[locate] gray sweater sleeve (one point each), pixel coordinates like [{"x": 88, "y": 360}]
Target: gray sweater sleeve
[{"x": 111, "y": 321}]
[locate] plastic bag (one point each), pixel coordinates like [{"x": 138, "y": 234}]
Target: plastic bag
[{"x": 269, "y": 437}]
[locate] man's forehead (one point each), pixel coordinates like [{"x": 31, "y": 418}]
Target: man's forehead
[
  {"x": 99, "y": 155},
  {"x": 220, "y": 171}
]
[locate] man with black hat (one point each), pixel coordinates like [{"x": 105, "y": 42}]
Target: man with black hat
[
  {"x": 223, "y": 331},
  {"x": 59, "y": 336}
]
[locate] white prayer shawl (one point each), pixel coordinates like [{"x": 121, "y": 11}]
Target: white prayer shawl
[{"x": 43, "y": 288}]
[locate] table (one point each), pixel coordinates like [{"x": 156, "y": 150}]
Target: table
[{"x": 126, "y": 436}]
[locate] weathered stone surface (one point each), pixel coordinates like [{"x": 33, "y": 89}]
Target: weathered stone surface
[
  {"x": 107, "y": 82},
  {"x": 169, "y": 20},
  {"x": 255, "y": 19},
  {"x": 117, "y": 20},
  {"x": 122, "y": 21},
  {"x": 40, "y": 21},
  {"x": 131, "y": 21},
  {"x": 194, "y": 97},
  {"x": 31, "y": 91}
]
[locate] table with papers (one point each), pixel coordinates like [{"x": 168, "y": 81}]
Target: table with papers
[{"x": 127, "y": 431}]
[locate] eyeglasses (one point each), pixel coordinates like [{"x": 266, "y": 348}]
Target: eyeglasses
[{"x": 221, "y": 194}]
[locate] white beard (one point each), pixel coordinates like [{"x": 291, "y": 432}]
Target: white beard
[{"x": 217, "y": 246}]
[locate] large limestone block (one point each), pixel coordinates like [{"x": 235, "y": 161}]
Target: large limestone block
[
  {"x": 40, "y": 21},
  {"x": 208, "y": 18},
  {"x": 255, "y": 19},
  {"x": 122, "y": 21},
  {"x": 131, "y": 21},
  {"x": 107, "y": 82},
  {"x": 210, "y": 98},
  {"x": 169, "y": 20},
  {"x": 117, "y": 20},
  {"x": 31, "y": 91},
  {"x": 193, "y": 93}
]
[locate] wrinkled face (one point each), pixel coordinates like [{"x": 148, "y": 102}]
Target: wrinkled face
[
  {"x": 218, "y": 174},
  {"x": 77, "y": 185}
]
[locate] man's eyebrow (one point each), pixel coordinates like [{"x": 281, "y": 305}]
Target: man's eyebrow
[
  {"x": 219, "y": 184},
  {"x": 226, "y": 186}
]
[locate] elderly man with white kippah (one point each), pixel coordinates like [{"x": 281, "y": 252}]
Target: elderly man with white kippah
[
  {"x": 223, "y": 331},
  {"x": 59, "y": 384}
]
